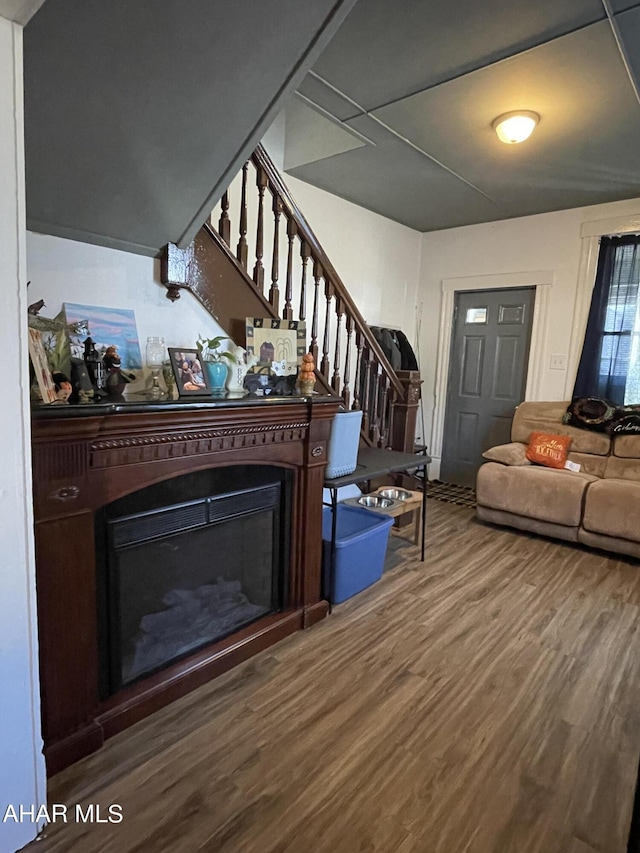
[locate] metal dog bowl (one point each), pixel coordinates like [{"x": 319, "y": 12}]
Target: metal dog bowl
[
  {"x": 375, "y": 501},
  {"x": 395, "y": 494}
]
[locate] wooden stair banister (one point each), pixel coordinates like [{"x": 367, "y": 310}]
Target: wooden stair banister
[
  {"x": 349, "y": 360},
  {"x": 209, "y": 270},
  {"x": 262, "y": 161}
]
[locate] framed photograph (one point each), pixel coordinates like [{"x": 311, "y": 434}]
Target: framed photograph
[
  {"x": 191, "y": 378},
  {"x": 41, "y": 366},
  {"x": 279, "y": 344}
]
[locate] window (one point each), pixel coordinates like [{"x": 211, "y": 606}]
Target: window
[{"x": 610, "y": 362}]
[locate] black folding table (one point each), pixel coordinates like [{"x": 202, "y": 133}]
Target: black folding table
[{"x": 371, "y": 464}]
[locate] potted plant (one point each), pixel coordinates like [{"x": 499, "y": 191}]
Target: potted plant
[{"x": 214, "y": 361}]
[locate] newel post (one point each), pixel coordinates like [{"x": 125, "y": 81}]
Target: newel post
[{"x": 405, "y": 412}]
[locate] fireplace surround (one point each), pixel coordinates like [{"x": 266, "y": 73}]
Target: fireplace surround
[{"x": 192, "y": 477}]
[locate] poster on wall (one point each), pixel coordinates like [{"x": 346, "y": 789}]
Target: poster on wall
[{"x": 107, "y": 327}]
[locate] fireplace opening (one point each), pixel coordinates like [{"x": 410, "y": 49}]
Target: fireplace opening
[{"x": 186, "y": 562}]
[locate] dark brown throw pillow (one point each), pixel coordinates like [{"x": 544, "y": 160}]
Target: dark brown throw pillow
[
  {"x": 590, "y": 413},
  {"x": 602, "y": 416}
]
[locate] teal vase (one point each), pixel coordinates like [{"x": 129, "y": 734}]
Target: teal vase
[{"x": 217, "y": 374}]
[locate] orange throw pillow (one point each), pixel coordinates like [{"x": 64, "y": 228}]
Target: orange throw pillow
[{"x": 549, "y": 450}]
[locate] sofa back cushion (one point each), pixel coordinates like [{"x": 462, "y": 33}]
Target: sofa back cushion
[
  {"x": 626, "y": 446},
  {"x": 590, "y": 463},
  {"x": 547, "y": 417},
  {"x": 622, "y": 469}
]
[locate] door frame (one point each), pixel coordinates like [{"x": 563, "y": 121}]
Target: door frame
[{"x": 542, "y": 281}]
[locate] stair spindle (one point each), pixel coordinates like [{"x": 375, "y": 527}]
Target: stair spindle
[
  {"x": 305, "y": 254},
  {"x": 224, "y": 224},
  {"x": 242, "y": 250},
  {"x": 292, "y": 230},
  {"x": 366, "y": 390},
  {"x": 274, "y": 292},
  {"x": 375, "y": 409},
  {"x": 317, "y": 275},
  {"x": 258, "y": 270},
  {"x": 384, "y": 410},
  {"x": 324, "y": 364},
  {"x": 346, "y": 391},
  {"x": 391, "y": 400},
  {"x": 335, "y": 379},
  {"x": 357, "y": 378}
]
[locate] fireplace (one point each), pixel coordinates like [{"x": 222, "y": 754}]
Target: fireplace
[
  {"x": 187, "y": 562},
  {"x": 173, "y": 541}
]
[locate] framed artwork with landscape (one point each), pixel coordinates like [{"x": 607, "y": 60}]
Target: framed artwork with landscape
[{"x": 191, "y": 378}]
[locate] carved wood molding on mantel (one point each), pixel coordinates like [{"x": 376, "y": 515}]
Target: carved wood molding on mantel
[
  {"x": 191, "y": 436},
  {"x": 127, "y": 451}
]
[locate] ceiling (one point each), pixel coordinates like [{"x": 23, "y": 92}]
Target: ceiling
[
  {"x": 19, "y": 11},
  {"x": 139, "y": 114},
  {"x": 396, "y": 113}
]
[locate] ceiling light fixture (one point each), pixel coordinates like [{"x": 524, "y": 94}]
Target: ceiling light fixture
[{"x": 516, "y": 126}]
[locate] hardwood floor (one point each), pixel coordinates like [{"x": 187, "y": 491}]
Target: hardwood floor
[{"x": 486, "y": 701}]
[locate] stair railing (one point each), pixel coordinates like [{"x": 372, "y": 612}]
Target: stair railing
[{"x": 281, "y": 257}]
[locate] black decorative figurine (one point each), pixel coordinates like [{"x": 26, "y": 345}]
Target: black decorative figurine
[{"x": 95, "y": 367}]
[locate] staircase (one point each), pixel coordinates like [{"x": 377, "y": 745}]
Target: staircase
[{"x": 273, "y": 233}]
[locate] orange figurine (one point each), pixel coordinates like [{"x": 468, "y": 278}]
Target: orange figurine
[{"x": 307, "y": 376}]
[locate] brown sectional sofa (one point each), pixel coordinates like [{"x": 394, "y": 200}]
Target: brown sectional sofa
[{"x": 598, "y": 506}]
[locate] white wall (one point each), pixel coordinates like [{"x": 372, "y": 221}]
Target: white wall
[
  {"x": 22, "y": 774},
  {"x": 67, "y": 271},
  {"x": 376, "y": 258},
  {"x": 549, "y": 241}
]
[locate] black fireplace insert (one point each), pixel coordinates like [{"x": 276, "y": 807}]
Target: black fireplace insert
[{"x": 186, "y": 562}]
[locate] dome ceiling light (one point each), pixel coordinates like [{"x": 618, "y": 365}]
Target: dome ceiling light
[{"x": 515, "y": 126}]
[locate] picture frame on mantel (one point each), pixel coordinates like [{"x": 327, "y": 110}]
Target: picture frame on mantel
[
  {"x": 41, "y": 366},
  {"x": 279, "y": 344},
  {"x": 191, "y": 377}
]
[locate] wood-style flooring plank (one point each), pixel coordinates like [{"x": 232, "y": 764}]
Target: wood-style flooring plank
[{"x": 484, "y": 701}]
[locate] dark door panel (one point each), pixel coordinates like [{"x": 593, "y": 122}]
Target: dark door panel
[{"x": 487, "y": 376}]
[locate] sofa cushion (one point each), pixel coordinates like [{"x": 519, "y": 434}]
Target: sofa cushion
[
  {"x": 627, "y": 446},
  {"x": 547, "y": 417},
  {"x": 612, "y": 508},
  {"x": 609, "y": 543},
  {"x": 548, "y": 494},
  {"x": 622, "y": 469},
  {"x": 508, "y": 454},
  {"x": 531, "y": 525},
  {"x": 589, "y": 463},
  {"x": 548, "y": 450}
]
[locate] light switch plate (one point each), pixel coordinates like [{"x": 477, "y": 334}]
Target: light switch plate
[{"x": 558, "y": 361}]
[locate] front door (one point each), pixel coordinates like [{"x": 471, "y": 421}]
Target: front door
[{"x": 487, "y": 376}]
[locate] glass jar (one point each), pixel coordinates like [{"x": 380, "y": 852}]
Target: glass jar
[{"x": 156, "y": 353}]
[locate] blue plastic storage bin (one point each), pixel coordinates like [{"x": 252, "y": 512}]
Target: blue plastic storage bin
[
  {"x": 361, "y": 545},
  {"x": 342, "y": 450}
]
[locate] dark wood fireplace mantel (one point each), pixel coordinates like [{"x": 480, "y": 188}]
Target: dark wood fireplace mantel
[{"x": 86, "y": 457}]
